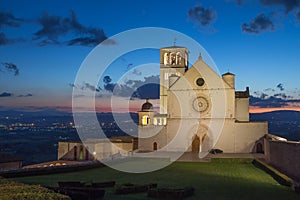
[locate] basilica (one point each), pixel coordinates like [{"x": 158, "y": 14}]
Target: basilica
[{"x": 199, "y": 110}]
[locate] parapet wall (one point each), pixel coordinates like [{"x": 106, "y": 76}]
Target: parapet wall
[{"x": 284, "y": 155}]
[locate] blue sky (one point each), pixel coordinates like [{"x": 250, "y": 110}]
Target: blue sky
[{"x": 256, "y": 40}]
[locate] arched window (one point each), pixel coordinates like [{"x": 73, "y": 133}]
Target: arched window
[
  {"x": 145, "y": 120},
  {"x": 154, "y": 146},
  {"x": 75, "y": 153},
  {"x": 172, "y": 59},
  {"x": 166, "y": 58},
  {"x": 178, "y": 58}
]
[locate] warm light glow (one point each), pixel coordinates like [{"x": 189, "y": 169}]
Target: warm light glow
[
  {"x": 145, "y": 120},
  {"x": 262, "y": 110}
]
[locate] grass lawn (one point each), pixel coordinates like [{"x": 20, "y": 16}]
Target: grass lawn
[{"x": 219, "y": 179}]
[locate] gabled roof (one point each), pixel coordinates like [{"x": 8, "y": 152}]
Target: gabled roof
[{"x": 199, "y": 69}]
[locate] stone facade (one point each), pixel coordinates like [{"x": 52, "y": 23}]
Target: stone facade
[{"x": 199, "y": 109}]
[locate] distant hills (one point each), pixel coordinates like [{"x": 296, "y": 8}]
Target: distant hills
[
  {"x": 33, "y": 112},
  {"x": 283, "y": 123}
]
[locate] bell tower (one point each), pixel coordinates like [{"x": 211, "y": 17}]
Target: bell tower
[{"x": 173, "y": 63}]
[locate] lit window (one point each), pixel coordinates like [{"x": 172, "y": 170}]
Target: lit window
[
  {"x": 159, "y": 121},
  {"x": 155, "y": 121},
  {"x": 164, "y": 121},
  {"x": 145, "y": 120}
]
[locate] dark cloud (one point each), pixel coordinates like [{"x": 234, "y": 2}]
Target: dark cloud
[
  {"x": 26, "y": 95},
  {"x": 263, "y": 96},
  {"x": 280, "y": 87},
  {"x": 8, "y": 19},
  {"x": 298, "y": 16},
  {"x": 11, "y": 67},
  {"x": 129, "y": 65},
  {"x": 289, "y": 5},
  {"x": 72, "y": 85},
  {"x": 238, "y": 2},
  {"x": 282, "y": 95},
  {"x": 4, "y": 40},
  {"x": 141, "y": 89},
  {"x": 91, "y": 87},
  {"x": 269, "y": 90},
  {"x": 201, "y": 15},
  {"x": 271, "y": 102},
  {"x": 56, "y": 27},
  {"x": 258, "y": 25},
  {"x": 93, "y": 38},
  {"x": 6, "y": 94}
]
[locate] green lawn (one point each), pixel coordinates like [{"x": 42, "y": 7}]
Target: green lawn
[{"x": 219, "y": 179}]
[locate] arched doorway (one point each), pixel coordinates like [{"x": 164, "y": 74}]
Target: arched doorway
[
  {"x": 196, "y": 144},
  {"x": 154, "y": 146},
  {"x": 259, "y": 148},
  {"x": 75, "y": 153}
]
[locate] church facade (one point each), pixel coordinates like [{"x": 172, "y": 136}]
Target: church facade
[{"x": 199, "y": 110}]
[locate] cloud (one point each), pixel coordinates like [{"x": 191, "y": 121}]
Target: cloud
[
  {"x": 201, "y": 15},
  {"x": 54, "y": 28},
  {"x": 11, "y": 67},
  {"x": 298, "y": 16},
  {"x": 9, "y": 20},
  {"x": 269, "y": 90},
  {"x": 4, "y": 40},
  {"x": 72, "y": 85},
  {"x": 258, "y": 25},
  {"x": 26, "y": 95},
  {"x": 280, "y": 87},
  {"x": 263, "y": 96},
  {"x": 141, "y": 89},
  {"x": 136, "y": 72},
  {"x": 289, "y": 5},
  {"x": 91, "y": 87},
  {"x": 238, "y": 2},
  {"x": 271, "y": 102},
  {"x": 6, "y": 94},
  {"x": 282, "y": 95}
]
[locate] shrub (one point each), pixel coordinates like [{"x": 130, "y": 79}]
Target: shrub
[{"x": 18, "y": 191}]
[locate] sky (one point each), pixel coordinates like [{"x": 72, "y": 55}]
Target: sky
[{"x": 44, "y": 43}]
